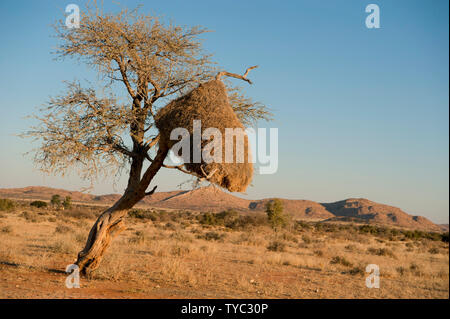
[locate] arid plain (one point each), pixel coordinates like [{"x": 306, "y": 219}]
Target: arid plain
[{"x": 176, "y": 253}]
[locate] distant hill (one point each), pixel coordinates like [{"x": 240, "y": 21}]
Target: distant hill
[
  {"x": 213, "y": 199},
  {"x": 372, "y": 212}
]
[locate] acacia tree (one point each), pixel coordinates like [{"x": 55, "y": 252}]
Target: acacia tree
[{"x": 98, "y": 134}]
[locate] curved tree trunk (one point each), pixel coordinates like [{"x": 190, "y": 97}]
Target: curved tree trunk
[{"x": 110, "y": 222}]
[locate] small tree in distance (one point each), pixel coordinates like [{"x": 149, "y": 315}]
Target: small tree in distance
[
  {"x": 56, "y": 201},
  {"x": 274, "y": 210},
  {"x": 67, "y": 203}
]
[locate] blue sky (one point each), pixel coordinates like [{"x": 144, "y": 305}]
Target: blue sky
[{"x": 360, "y": 112}]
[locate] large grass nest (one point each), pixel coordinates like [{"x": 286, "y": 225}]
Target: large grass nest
[{"x": 208, "y": 103}]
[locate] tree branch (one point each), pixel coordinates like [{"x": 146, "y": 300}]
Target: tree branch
[
  {"x": 123, "y": 73},
  {"x": 237, "y": 76},
  {"x": 151, "y": 192}
]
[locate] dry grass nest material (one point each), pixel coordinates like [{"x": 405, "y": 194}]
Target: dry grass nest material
[{"x": 208, "y": 103}]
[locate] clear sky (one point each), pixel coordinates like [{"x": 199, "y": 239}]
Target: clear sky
[{"x": 360, "y": 112}]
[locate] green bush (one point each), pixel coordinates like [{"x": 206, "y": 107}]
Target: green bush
[
  {"x": 368, "y": 229},
  {"x": 341, "y": 261},
  {"x": 228, "y": 218},
  {"x": 208, "y": 219},
  {"x": 301, "y": 225},
  {"x": 274, "y": 210},
  {"x": 38, "y": 204},
  {"x": 6, "y": 204},
  {"x": 67, "y": 203},
  {"x": 56, "y": 200},
  {"x": 143, "y": 214}
]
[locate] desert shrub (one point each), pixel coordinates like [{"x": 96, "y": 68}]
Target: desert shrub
[
  {"x": 433, "y": 250},
  {"x": 6, "y": 204},
  {"x": 418, "y": 234},
  {"x": 368, "y": 229},
  {"x": 445, "y": 237},
  {"x": 208, "y": 219},
  {"x": 231, "y": 219},
  {"x": 31, "y": 216},
  {"x": 248, "y": 221},
  {"x": 67, "y": 203},
  {"x": 289, "y": 237},
  {"x": 380, "y": 252},
  {"x": 329, "y": 227},
  {"x": 274, "y": 211},
  {"x": 413, "y": 267},
  {"x": 350, "y": 247},
  {"x": 138, "y": 238},
  {"x": 358, "y": 270},
  {"x": 170, "y": 226},
  {"x": 301, "y": 225},
  {"x": 318, "y": 253},
  {"x": 432, "y": 236},
  {"x": 63, "y": 247},
  {"x": 182, "y": 237},
  {"x": 341, "y": 261},
  {"x": 62, "y": 229},
  {"x": 7, "y": 229},
  {"x": 56, "y": 200},
  {"x": 401, "y": 270},
  {"x": 276, "y": 245},
  {"x": 163, "y": 216},
  {"x": 306, "y": 239},
  {"x": 228, "y": 218},
  {"x": 179, "y": 251},
  {"x": 143, "y": 214},
  {"x": 38, "y": 204},
  {"x": 415, "y": 270},
  {"x": 212, "y": 236},
  {"x": 77, "y": 213},
  {"x": 249, "y": 238}
]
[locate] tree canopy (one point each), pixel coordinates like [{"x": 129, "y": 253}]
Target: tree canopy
[{"x": 101, "y": 133}]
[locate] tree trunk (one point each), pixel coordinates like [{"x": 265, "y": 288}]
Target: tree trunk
[{"x": 109, "y": 224}]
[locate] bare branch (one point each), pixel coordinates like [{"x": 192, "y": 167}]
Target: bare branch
[
  {"x": 124, "y": 79},
  {"x": 237, "y": 76},
  {"x": 151, "y": 192}
]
